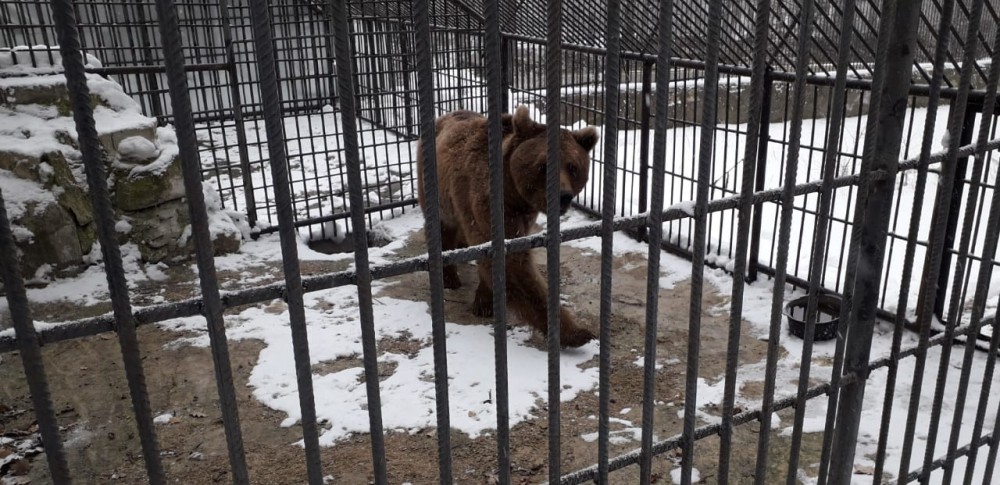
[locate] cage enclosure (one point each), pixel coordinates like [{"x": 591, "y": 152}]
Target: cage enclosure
[{"x": 233, "y": 185}]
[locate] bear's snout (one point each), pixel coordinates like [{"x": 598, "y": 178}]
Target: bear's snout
[{"x": 565, "y": 199}]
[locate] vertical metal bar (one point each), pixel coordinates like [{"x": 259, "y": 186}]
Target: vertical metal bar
[
  {"x": 506, "y": 72},
  {"x": 881, "y": 154},
  {"x": 237, "y": 99},
  {"x": 941, "y": 53},
  {"x": 654, "y": 223},
  {"x": 759, "y": 102},
  {"x": 818, "y": 257},
  {"x": 374, "y": 74},
  {"x": 495, "y": 95},
  {"x": 181, "y": 106},
  {"x": 878, "y": 80},
  {"x": 612, "y": 90},
  {"x": 699, "y": 246},
  {"x": 951, "y": 226},
  {"x": 90, "y": 147},
  {"x": 184, "y": 123},
  {"x": 802, "y": 58},
  {"x": 553, "y": 78},
  {"x": 30, "y": 348},
  {"x": 936, "y": 250},
  {"x": 270, "y": 92},
  {"x": 647, "y": 94},
  {"x": 432, "y": 214},
  {"x": 404, "y": 46},
  {"x": 152, "y": 77},
  {"x": 345, "y": 68},
  {"x": 761, "y": 172}
]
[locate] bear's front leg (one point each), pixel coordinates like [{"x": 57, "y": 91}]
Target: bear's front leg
[
  {"x": 528, "y": 296},
  {"x": 449, "y": 241},
  {"x": 482, "y": 304}
]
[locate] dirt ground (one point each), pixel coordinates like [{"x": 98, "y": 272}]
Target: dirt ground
[{"x": 91, "y": 396}]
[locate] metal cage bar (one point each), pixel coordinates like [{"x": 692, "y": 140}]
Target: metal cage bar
[
  {"x": 187, "y": 143},
  {"x": 345, "y": 78},
  {"x": 271, "y": 96}
]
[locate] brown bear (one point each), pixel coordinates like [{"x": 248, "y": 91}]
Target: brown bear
[{"x": 464, "y": 192}]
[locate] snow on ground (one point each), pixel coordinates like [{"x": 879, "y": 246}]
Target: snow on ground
[{"x": 675, "y": 475}]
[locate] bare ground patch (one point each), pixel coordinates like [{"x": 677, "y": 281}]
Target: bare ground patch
[{"x": 90, "y": 393}]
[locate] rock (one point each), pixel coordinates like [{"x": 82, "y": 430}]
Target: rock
[
  {"x": 54, "y": 239},
  {"x": 53, "y": 94},
  {"x": 226, "y": 235},
  {"x": 112, "y": 141},
  {"x": 155, "y": 230},
  {"x": 226, "y": 243},
  {"x": 137, "y": 189}
]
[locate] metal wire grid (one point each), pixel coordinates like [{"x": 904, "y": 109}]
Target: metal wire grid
[
  {"x": 851, "y": 380},
  {"x": 690, "y": 24},
  {"x": 581, "y": 95},
  {"x": 227, "y": 104}
]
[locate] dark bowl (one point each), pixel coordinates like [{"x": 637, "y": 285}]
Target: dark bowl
[{"x": 827, "y": 317}]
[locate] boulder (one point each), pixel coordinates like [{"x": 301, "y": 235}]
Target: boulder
[
  {"x": 53, "y": 239},
  {"x": 137, "y": 189}
]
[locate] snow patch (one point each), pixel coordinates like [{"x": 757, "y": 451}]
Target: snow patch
[
  {"x": 38, "y": 59},
  {"x": 408, "y": 401},
  {"x": 675, "y": 475},
  {"x": 137, "y": 148}
]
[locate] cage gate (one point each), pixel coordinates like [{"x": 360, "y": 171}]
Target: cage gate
[{"x": 728, "y": 132}]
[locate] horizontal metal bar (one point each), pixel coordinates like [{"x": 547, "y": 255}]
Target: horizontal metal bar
[
  {"x": 924, "y": 473},
  {"x": 344, "y": 215},
  {"x": 159, "y": 68}
]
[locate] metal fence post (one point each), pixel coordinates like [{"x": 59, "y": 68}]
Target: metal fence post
[
  {"x": 375, "y": 89},
  {"x": 873, "y": 212},
  {"x": 972, "y": 110},
  {"x": 505, "y": 73},
  {"x": 408, "y": 105},
  {"x": 647, "y": 93},
  {"x": 762, "y": 139},
  {"x": 237, "y": 107},
  {"x": 152, "y": 77}
]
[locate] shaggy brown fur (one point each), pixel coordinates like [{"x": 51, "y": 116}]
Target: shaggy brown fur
[{"x": 463, "y": 180}]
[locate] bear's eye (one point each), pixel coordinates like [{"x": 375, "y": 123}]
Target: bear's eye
[
  {"x": 572, "y": 170},
  {"x": 542, "y": 167}
]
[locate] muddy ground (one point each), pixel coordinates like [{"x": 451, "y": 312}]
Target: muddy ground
[{"x": 91, "y": 396}]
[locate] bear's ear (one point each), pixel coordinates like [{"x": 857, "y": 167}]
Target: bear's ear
[
  {"x": 507, "y": 121},
  {"x": 586, "y": 137},
  {"x": 523, "y": 124}
]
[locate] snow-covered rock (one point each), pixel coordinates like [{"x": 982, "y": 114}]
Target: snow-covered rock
[{"x": 43, "y": 179}]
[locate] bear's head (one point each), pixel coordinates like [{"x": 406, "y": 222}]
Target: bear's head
[{"x": 526, "y": 150}]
